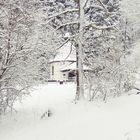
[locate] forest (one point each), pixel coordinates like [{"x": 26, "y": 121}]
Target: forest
[{"x": 104, "y": 35}]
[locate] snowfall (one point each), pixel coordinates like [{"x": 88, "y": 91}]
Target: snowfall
[{"x": 116, "y": 119}]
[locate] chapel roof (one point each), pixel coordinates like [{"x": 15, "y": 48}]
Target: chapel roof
[{"x": 65, "y": 53}]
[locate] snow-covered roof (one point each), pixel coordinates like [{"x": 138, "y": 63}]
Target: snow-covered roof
[
  {"x": 72, "y": 66},
  {"x": 65, "y": 53}
]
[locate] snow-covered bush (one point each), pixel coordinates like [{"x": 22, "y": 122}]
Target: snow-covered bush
[
  {"x": 106, "y": 54},
  {"x": 25, "y": 50},
  {"x": 17, "y": 67},
  {"x": 8, "y": 96}
]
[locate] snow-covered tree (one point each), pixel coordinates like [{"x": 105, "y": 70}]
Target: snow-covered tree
[
  {"x": 130, "y": 12},
  {"x": 107, "y": 57},
  {"x": 72, "y": 17},
  {"x": 16, "y": 51}
]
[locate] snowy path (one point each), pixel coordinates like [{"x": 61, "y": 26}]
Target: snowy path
[{"x": 118, "y": 119}]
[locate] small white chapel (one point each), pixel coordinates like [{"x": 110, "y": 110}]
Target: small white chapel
[{"x": 63, "y": 66}]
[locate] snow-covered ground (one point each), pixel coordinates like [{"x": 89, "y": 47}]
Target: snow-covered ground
[{"x": 117, "y": 119}]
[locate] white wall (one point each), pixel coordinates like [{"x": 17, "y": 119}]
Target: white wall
[{"x": 58, "y": 75}]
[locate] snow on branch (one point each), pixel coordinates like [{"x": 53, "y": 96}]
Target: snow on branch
[
  {"x": 68, "y": 23},
  {"x": 63, "y": 44},
  {"x": 103, "y": 6},
  {"x": 63, "y": 12},
  {"x": 69, "y": 39},
  {"x": 85, "y": 4},
  {"x": 101, "y": 27}
]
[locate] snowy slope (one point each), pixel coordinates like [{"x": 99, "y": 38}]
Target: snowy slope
[{"x": 118, "y": 119}]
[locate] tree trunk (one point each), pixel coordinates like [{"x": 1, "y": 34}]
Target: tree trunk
[
  {"x": 79, "y": 74},
  {"x": 79, "y": 55}
]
